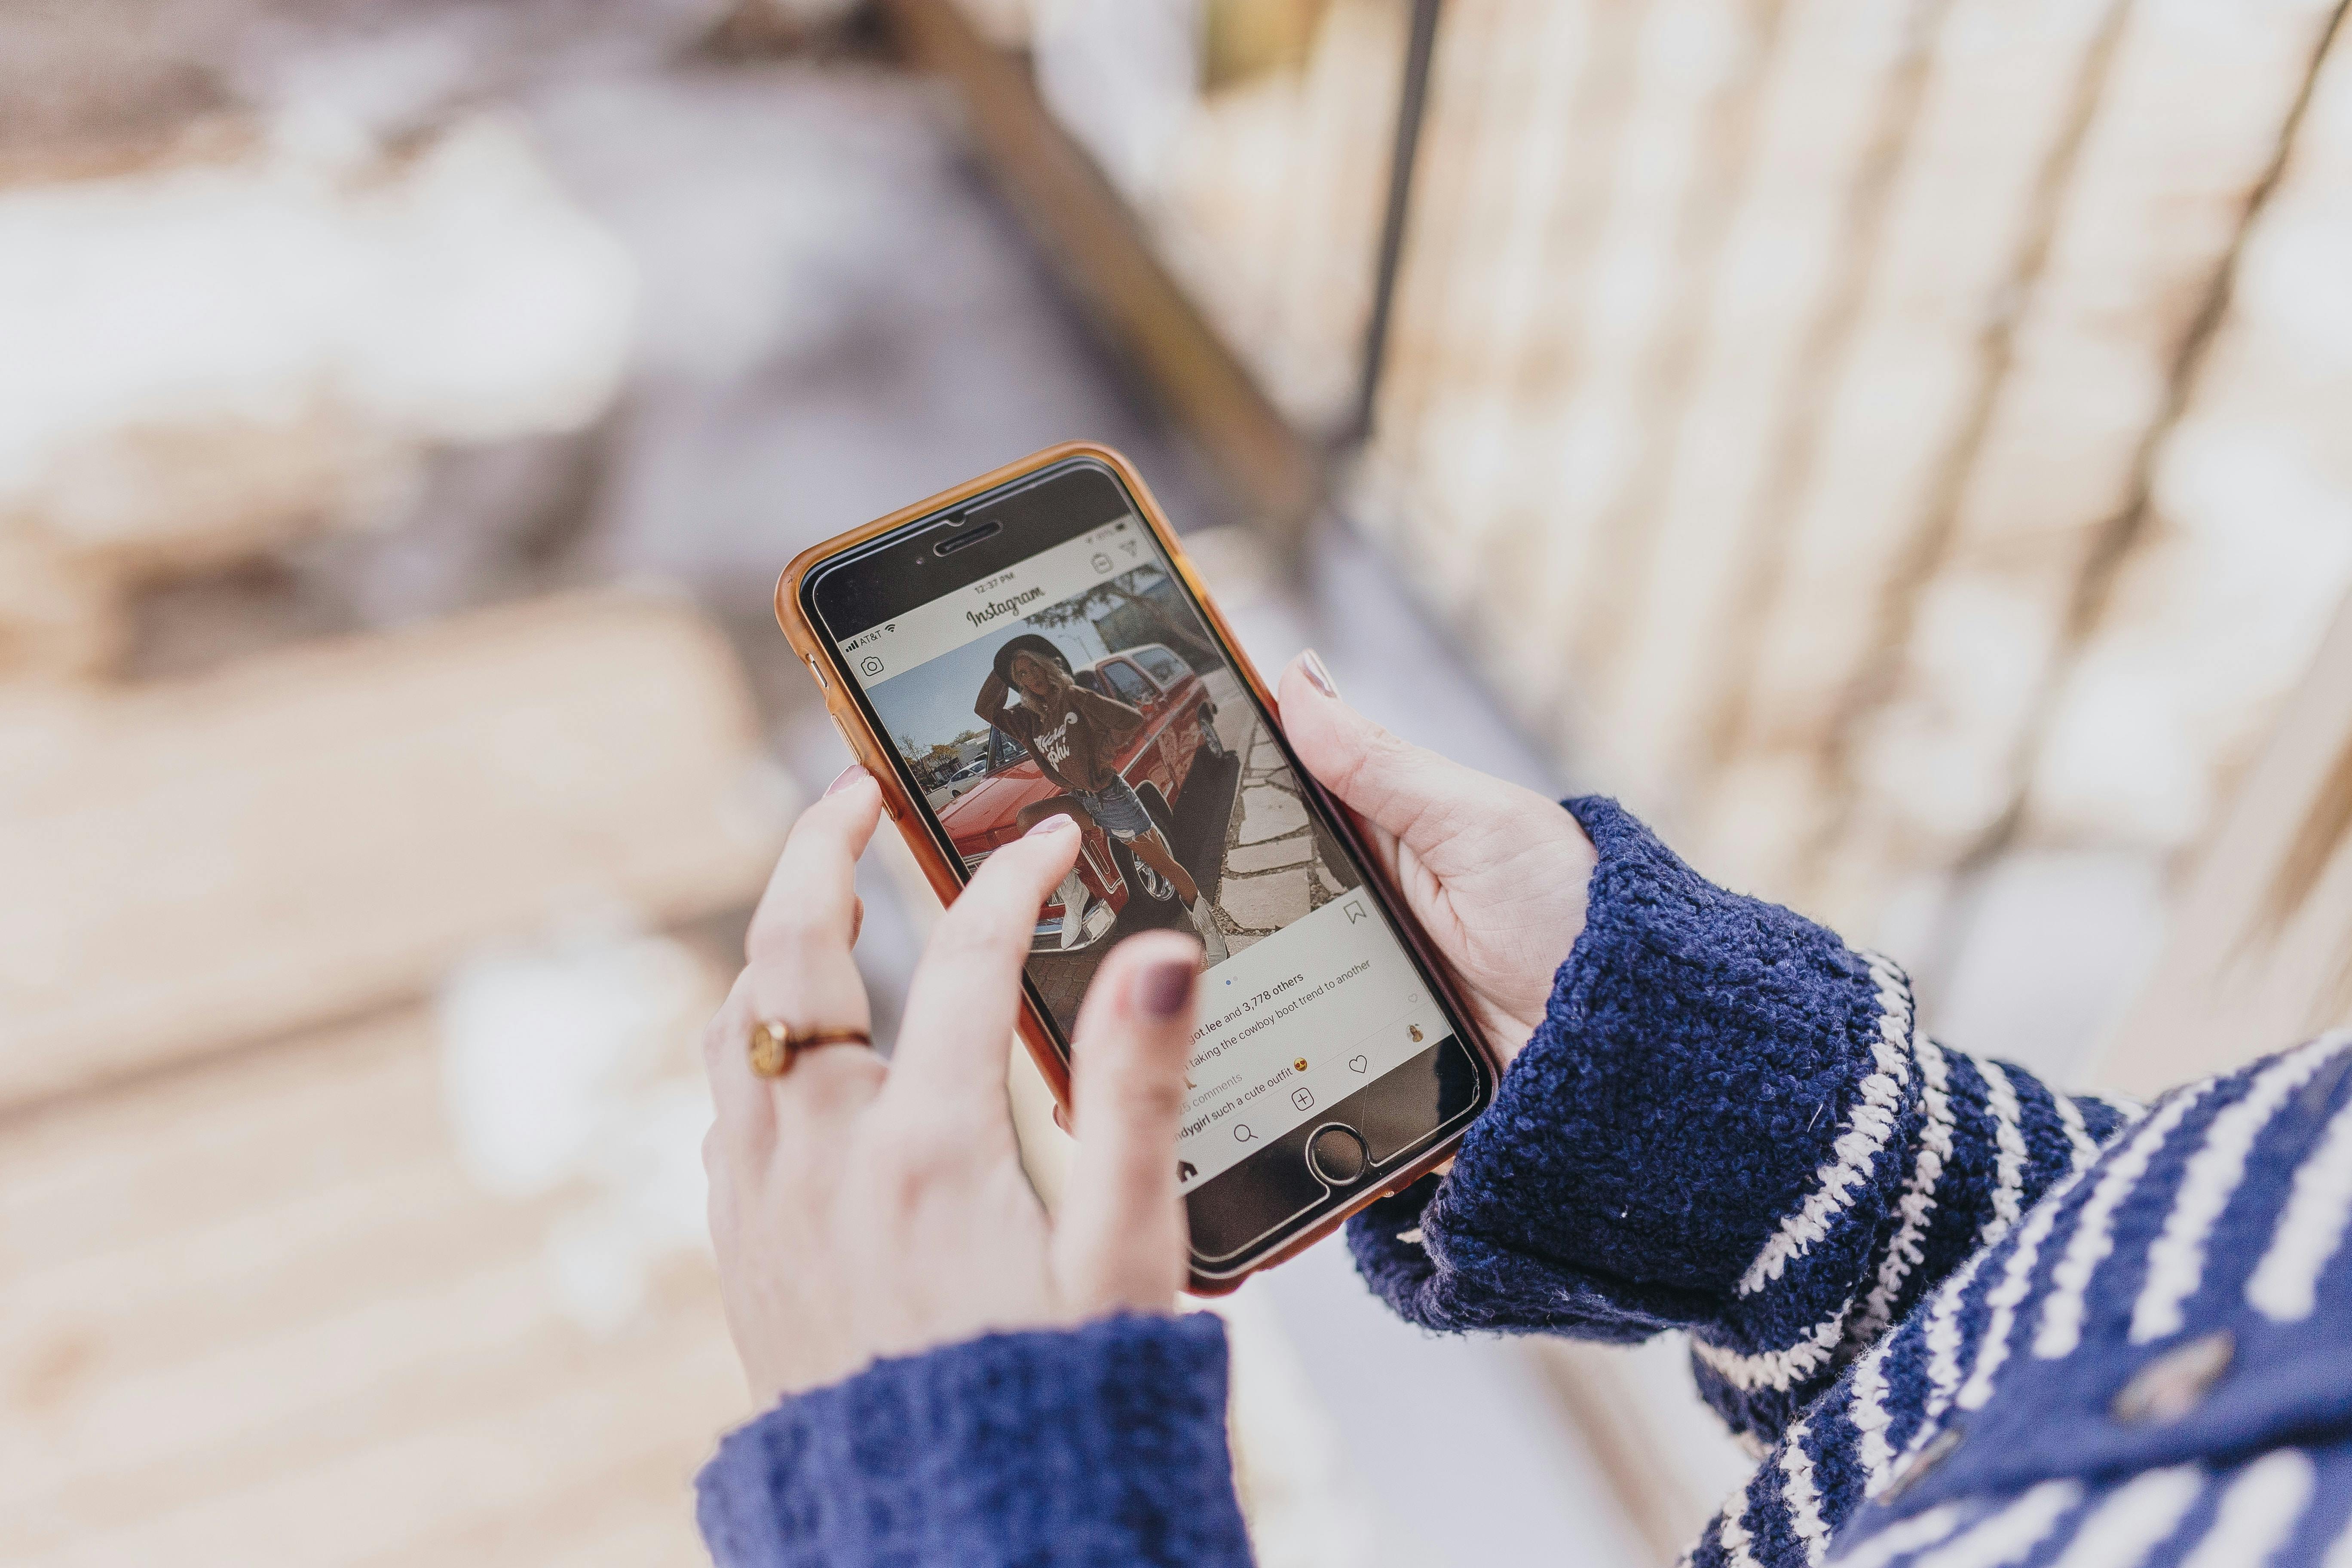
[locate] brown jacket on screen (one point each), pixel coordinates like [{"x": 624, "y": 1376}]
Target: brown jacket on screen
[{"x": 1076, "y": 746}]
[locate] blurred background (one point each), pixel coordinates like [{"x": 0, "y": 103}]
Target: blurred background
[{"x": 1900, "y": 449}]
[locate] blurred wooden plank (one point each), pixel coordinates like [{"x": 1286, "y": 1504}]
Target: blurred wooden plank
[
  {"x": 1441, "y": 244},
  {"x": 1271, "y": 211},
  {"x": 1894, "y": 370},
  {"x": 1959, "y": 227},
  {"x": 1087, "y": 230},
  {"x": 1740, "y": 68},
  {"x": 1667, "y": 1516},
  {"x": 2260, "y": 953},
  {"x": 198, "y": 863},
  {"x": 1527, "y": 289},
  {"x": 2184, "y": 672},
  {"x": 2104, "y": 354},
  {"x": 58, "y": 616},
  {"x": 2160, "y": 200},
  {"x": 233, "y": 1229},
  {"x": 145, "y": 501},
  {"x": 1674, "y": 161},
  {"x": 501, "y": 1477},
  {"x": 1650, "y": 665},
  {"x": 626, "y": 1519},
  {"x": 392, "y": 1379},
  {"x": 1511, "y": 197},
  {"x": 1520, "y": 171},
  {"x": 1665, "y": 1454},
  {"x": 607, "y": 1523}
]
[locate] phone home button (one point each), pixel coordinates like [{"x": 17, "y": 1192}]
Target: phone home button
[{"x": 1337, "y": 1154}]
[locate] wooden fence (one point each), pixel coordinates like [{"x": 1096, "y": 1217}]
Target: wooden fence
[{"x": 1866, "y": 437}]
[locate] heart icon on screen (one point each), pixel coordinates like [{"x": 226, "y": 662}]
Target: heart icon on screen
[{"x": 1359, "y": 1063}]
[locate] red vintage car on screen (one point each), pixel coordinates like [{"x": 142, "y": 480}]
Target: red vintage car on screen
[{"x": 1179, "y": 731}]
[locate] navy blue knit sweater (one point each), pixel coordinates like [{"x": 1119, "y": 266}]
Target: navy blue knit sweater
[{"x": 1960, "y": 1318}]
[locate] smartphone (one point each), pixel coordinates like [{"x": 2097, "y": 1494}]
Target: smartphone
[{"x": 1034, "y": 641}]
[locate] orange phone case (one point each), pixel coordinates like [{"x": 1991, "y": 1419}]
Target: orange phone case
[{"x": 939, "y": 866}]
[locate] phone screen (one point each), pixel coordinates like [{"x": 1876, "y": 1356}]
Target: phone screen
[{"x": 1062, "y": 666}]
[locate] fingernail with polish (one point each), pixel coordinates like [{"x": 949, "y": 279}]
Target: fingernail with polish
[
  {"x": 1310, "y": 664},
  {"x": 1054, "y": 824},
  {"x": 1164, "y": 988},
  {"x": 848, "y": 775}
]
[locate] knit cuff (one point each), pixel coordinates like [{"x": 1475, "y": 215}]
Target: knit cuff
[
  {"x": 1099, "y": 1445},
  {"x": 1727, "y": 1122},
  {"x": 1716, "y": 1084}
]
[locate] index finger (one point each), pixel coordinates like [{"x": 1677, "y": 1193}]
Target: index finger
[
  {"x": 959, "y": 1021},
  {"x": 818, "y": 872}
]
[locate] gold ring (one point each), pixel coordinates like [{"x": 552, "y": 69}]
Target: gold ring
[{"x": 775, "y": 1046}]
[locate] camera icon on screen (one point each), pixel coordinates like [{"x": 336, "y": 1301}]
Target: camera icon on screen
[{"x": 870, "y": 665}]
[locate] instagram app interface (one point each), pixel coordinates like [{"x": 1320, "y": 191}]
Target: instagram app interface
[{"x": 1082, "y": 680}]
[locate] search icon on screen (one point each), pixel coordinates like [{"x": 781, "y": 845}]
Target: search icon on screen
[{"x": 1242, "y": 1133}]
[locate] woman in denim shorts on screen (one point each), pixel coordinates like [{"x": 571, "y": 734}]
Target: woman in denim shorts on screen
[{"x": 1075, "y": 735}]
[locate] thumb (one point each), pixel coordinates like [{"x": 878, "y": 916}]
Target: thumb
[
  {"x": 1119, "y": 1240},
  {"x": 1421, "y": 799}
]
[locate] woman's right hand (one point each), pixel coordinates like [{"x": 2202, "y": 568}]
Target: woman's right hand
[{"x": 1496, "y": 874}]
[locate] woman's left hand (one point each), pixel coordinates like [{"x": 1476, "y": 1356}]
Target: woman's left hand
[{"x": 864, "y": 1209}]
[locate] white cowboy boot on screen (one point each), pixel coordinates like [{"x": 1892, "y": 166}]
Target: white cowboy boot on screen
[{"x": 1213, "y": 939}]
